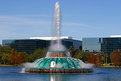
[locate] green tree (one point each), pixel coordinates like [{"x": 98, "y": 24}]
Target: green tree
[
  {"x": 6, "y": 58},
  {"x": 5, "y": 49},
  {"x": 15, "y": 56},
  {"x": 71, "y": 50},
  {"x": 81, "y": 55},
  {"x": 78, "y": 54},
  {"x": 25, "y": 57},
  {"x": 102, "y": 59},
  {"x": 106, "y": 58},
  {"x": 38, "y": 53}
]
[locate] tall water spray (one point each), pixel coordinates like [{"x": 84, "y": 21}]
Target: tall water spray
[
  {"x": 56, "y": 44},
  {"x": 57, "y": 21}
]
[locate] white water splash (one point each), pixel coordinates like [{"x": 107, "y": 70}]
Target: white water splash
[
  {"x": 23, "y": 70},
  {"x": 29, "y": 65},
  {"x": 85, "y": 65}
]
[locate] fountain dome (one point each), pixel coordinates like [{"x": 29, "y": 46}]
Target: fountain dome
[{"x": 59, "y": 62}]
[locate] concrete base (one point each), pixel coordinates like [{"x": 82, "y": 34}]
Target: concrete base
[{"x": 59, "y": 70}]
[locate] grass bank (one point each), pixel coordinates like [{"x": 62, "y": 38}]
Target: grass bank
[
  {"x": 8, "y": 65},
  {"x": 108, "y": 65}
]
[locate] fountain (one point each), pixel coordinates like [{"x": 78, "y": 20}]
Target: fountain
[{"x": 58, "y": 59}]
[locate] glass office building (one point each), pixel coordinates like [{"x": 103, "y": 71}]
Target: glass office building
[
  {"x": 30, "y": 45},
  {"x": 91, "y": 44},
  {"x": 76, "y": 43},
  {"x": 107, "y": 45}
]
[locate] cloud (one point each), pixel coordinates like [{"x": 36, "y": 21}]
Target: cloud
[
  {"x": 14, "y": 20},
  {"x": 19, "y": 26},
  {"x": 34, "y": 15},
  {"x": 74, "y": 24},
  {"x": 22, "y": 20}
]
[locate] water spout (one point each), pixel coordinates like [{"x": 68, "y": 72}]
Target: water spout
[{"x": 56, "y": 45}]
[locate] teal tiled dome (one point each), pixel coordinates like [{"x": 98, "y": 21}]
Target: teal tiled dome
[{"x": 58, "y": 63}]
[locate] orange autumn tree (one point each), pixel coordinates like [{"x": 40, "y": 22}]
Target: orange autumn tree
[
  {"x": 94, "y": 59},
  {"x": 98, "y": 59},
  {"x": 115, "y": 58},
  {"x": 91, "y": 58},
  {"x": 15, "y": 56},
  {"x": 12, "y": 58},
  {"x": 20, "y": 58}
]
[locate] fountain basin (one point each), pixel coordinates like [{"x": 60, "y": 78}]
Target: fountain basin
[
  {"x": 55, "y": 70},
  {"x": 58, "y": 65}
]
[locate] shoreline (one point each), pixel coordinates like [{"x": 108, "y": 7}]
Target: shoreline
[
  {"x": 8, "y": 65},
  {"x": 93, "y": 67},
  {"x": 109, "y": 67}
]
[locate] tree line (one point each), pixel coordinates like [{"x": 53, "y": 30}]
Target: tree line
[
  {"x": 99, "y": 59},
  {"x": 12, "y": 56}
]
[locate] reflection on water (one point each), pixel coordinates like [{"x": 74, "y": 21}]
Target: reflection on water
[
  {"x": 100, "y": 74},
  {"x": 55, "y": 77},
  {"x": 58, "y": 77},
  {"x": 52, "y": 78},
  {"x": 84, "y": 77}
]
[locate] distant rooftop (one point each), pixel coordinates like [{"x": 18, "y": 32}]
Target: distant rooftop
[
  {"x": 115, "y": 36},
  {"x": 50, "y": 38}
]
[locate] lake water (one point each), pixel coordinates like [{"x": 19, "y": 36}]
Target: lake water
[{"x": 100, "y": 74}]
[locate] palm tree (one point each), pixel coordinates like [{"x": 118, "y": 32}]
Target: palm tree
[
  {"x": 71, "y": 49},
  {"x": 106, "y": 56}
]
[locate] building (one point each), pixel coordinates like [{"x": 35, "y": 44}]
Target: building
[
  {"x": 76, "y": 43},
  {"x": 50, "y": 38},
  {"x": 30, "y": 45},
  {"x": 91, "y": 44},
  {"x": 107, "y": 45},
  {"x": 25, "y": 45},
  {"x": 115, "y": 36},
  {"x": 65, "y": 40}
]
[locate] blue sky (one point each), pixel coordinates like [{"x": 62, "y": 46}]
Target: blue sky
[{"x": 21, "y": 19}]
